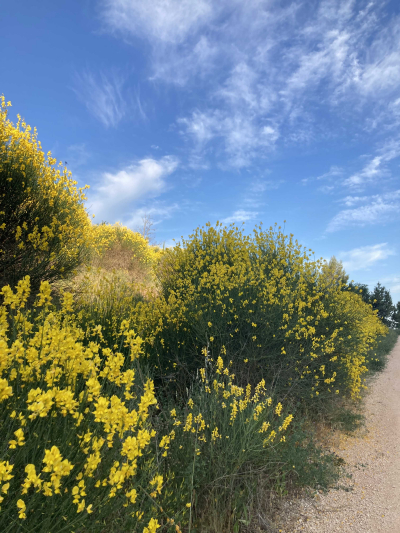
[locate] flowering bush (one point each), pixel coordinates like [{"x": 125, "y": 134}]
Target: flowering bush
[
  {"x": 75, "y": 427},
  {"x": 264, "y": 300},
  {"x": 130, "y": 247},
  {"x": 81, "y": 445},
  {"x": 89, "y": 441},
  {"x": 44, "y": 227}
]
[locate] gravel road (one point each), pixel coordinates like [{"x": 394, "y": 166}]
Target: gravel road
[{"x": 373, "y": 458}]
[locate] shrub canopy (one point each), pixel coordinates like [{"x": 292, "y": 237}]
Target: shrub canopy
[
  {"x": 44, "y": 227},
  {"x": 266, "y": 302}
]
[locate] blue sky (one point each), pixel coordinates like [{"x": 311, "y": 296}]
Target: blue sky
[{"x": 200, "y": 110}]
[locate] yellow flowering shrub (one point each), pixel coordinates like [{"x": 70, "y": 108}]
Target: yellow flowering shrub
[
  {"x": 107, "y": 238},
  {"x": 44, "y": 227},
  {"x": 263, "y": 299},
  {"x": 75, "y": 428},
  {"x": 360, "y": 327}
]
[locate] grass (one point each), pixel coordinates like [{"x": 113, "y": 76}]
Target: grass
[{"x": 378, "y": 356}]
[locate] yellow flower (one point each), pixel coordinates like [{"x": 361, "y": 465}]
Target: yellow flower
[
  {"x": 152, "y": 526},
  {"x": 22, "y": 508},
  {"x": 20, "y": 439},
  {"x": 5, "y": 389}
]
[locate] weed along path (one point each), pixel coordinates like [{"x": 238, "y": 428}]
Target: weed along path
[{"x": 371, "y": 503}]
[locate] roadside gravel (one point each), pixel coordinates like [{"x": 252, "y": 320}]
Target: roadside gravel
[{"x": 371, "y": 503}]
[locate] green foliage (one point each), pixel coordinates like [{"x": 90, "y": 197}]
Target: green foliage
[
  {"x": 362, "y": 290},
  {"x": 382, "y": 301},
  {"x": 377, "y": 356},
  {"x": 396, "y": 316}
]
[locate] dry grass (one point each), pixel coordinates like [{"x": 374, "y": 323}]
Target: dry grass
[{"x": 116, "y": 264}]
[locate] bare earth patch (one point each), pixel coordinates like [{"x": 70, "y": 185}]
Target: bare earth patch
[{"x": 371, "y": 501}]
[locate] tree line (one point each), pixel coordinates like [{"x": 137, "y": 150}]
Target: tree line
[{"x": 379, "y": 297}]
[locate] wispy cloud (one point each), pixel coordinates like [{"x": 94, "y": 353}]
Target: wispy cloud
[
  {"x": 374, "y": 171},
  {"x": 242, "y": 137},
  {"x": 376, "y": 167},
  {"x": 262, "y": 185},
  {"x": 170, "y": 21},
  {"x": 269, "y": 74},
  {"x": 379, "y": 209},
  {"x": 393, "y": 284},
  {"x": 255, "y": 197},
  {"x": 158, "y": 211},
  {"x": 77, "y": 155},
  {"x": 102, "y": 95},
  {"x": 117, "y": 195},
  {"x": 349, "y": 201},
  {"x": 240, "y": 215},
  {"x": 334, "y": 173},
  {"x": 366, "y": 256}
]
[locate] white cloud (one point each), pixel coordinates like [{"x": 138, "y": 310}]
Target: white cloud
[
  {"x": 157, "y": 211},
  {"x": 265, "y": 71},
  {"x": 370, "y": 172},
  {"x": 241, "y": 135},
  {"x": 117, "y": 195},
  {"x": 349, "y": 201},
  {"x": 169, "y": 21},
  {"x": 373, "y": 172},
  {"x": 260, "y": 186},
  {"x": 334, "y": 172},
  {"x": 393, "y": 284},
  {"x": 364, "y": 257},
  {"x": 380, "y": 209},
  {"x": 375, "y": 168},
  {"x": 193, "y": 60},
  {"x": 102, "y": 95},
  {"x": 240, "y": 216}
]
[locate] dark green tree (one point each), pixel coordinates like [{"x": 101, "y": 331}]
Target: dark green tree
[
  {"x": 396, "y": 316},
  {"x": 382, "y": 301}
]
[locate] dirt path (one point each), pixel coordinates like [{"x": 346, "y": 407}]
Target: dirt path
[{"x": 373, "y": 458}]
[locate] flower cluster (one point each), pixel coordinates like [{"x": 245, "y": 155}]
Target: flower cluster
[{"x": 70, "y": 430}]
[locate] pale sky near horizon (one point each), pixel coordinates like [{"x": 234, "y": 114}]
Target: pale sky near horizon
[{"x": 201, "y": 110}]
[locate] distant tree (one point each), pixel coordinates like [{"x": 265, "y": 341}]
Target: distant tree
[
  {"x": 382, "y": 301},
  {"x": 146, "y": 228},
  {"x": 361, "y": 289},
  {"x": 396, "y": 316},
  {"x": 333, "y": 272}
]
